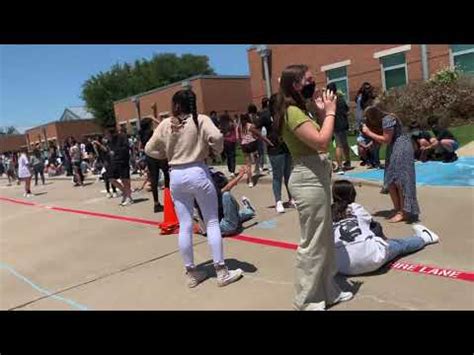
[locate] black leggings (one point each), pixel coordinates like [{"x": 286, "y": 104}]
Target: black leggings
[
  {"x": 39, "y": 169},
  {"x": 229, "y": 153},
  {"x": 106, "y": 178},
  {"x": 154, "y": 166}
]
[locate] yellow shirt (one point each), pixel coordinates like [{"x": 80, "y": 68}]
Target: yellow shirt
[{"x": 295, "y": 118}]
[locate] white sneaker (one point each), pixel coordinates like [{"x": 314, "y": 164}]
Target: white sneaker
[
  {"x": 29, "y": 195},
  {"x": 195, "y": 277},
  {"x": 24, "y": 194},
  {"x": 250, "y": 184},
  {"x": 232, "y": 175},
  {"x": 226, "y": 276},
  {"x": 114, "y": 195},
  {"x": 246, "y": 203},
  {"x": 108, "y": 195},
  {"x": 127, "y": 202},
  {"x": 279, "y": 207},
  {"x": 343, "y": 297},
  {"x": 424, "y": 233}
]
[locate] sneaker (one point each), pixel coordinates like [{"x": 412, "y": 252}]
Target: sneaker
[
  {"x": 226, "y": 276},
  {"x": 194, "y": 277},
  {"x": 424, "y": 233},
  {"x": 24, "y": 194},
  {"x": 232, "y": 175},
  {"x": 29, "y": 195},
  {"x": 339, "y": 171},
  {"x": 250, "y": 184},
  {"x": 343, "y": 297},
  {"x": 108, "y": 195},
  {"x": 347, "y": 166},
  {"x": 127, "y": 202},
  {"x": 158, "y": 208},
  {"x": 246, "y": 203},
  {"x": 279, "y": 207},
  {"x": 114, "y": 195}
]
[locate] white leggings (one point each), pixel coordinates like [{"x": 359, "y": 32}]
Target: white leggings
[{"x": 191, "y": 182}]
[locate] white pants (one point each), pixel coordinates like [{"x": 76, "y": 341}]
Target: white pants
[{"x": 191, "y": 182}]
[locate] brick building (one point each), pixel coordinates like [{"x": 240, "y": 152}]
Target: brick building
[
  {"x": 213, "y": 93},
  {"x": 75, "y": 121},
  {"x": 12, "y": 143},
  {"x": 348, "y": 66}
]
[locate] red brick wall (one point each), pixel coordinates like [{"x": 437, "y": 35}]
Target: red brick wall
[
  {"x": 77, "y": 129},
  {"x": 363, "y": 67},
  {"x": 211, "y": 94},
  {"x": 36, "y": 135},
  {"x": 232, "y": 95},
  {"x": 125, "y": 110},
  {"x": 59, "y": 131},
  {"x": 12, "y": 143}
]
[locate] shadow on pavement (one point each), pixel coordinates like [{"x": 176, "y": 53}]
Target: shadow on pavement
[
  {"x": 232, "y": 264},
  {"x": 385, "y": 213},
  {"x": 138, "y": 200},
  {"x": 39, "y": 193}
]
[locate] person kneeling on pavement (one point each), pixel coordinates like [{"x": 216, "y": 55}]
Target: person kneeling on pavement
[{"x": 231, "y": 216}]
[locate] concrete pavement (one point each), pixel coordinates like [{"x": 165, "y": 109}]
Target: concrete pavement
[{"x": 64, "y": 260}]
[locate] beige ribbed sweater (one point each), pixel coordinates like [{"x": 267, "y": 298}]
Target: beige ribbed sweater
[{"x": 185, "y": 145}]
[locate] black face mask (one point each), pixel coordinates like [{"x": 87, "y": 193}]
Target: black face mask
[{"x": 308, "y": 90}]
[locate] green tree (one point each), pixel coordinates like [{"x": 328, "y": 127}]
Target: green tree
[
  {"x": 7, "y": 131},
  {"x": 122, "y": 80}
]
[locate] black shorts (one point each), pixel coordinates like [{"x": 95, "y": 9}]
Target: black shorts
[
  {"x": 250, "y": 147},
  {"x": 119, "y": 171}
]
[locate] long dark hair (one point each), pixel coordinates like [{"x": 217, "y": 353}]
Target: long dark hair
[
  {"x": 184, "y": 103},
  {"x": 343, "y": 194},
  {"x": 146, "y": 124},
  {"x": 287, "y": 95},
  {"x": 226, "y": 124}
]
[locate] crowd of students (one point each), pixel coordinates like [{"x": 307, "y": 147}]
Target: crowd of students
[{"x": 294, "y": 128}]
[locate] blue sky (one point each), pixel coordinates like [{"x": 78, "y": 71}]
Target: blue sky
[{"x": 38, "y": 81}]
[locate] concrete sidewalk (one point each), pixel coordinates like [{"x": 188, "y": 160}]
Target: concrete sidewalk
[{"x": 64, "y": 260}]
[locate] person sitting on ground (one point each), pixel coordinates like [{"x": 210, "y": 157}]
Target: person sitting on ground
[
  {"x": 444, "y": 145},
  {"x": 365, "y": 147},
  {"x": 231, "y": 216},
  {"x": 361, "y": 246}
]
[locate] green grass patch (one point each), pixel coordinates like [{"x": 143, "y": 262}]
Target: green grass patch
[{"x": 464, "y": 134}]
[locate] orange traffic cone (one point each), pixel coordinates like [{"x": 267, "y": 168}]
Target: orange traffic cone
[{"x": 170, "y": 225}]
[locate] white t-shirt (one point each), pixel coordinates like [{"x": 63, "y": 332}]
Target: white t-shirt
[
  {"x": 23, "y": 163},
  {"x": 358, "y": 249}
]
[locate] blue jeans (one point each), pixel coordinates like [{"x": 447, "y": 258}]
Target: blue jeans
[
  {"x": 374, "y": 155},
  {"x": 397, "y": 247},
  {"x": 281, "y": 169},
  {"x": 233, "y": 215}
]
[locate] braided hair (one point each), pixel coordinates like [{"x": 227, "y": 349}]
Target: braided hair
[{"x": 184, "y": 102}]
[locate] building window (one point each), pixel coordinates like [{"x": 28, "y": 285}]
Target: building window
[
  {"x": 338, "y": 76},
  {"x": 394, "y": 71},
  {"x": 462, "y": 57}
]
